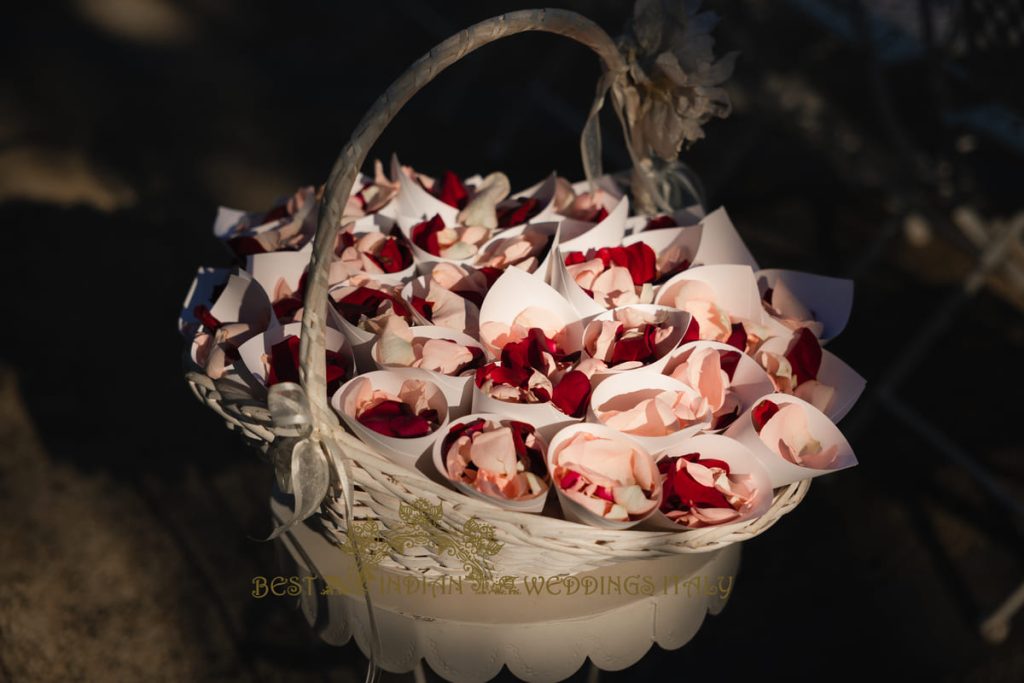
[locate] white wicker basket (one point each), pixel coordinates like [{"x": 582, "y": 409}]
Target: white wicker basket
[{"x": 530, "y": 544}]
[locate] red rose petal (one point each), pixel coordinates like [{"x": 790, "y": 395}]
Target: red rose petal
[
  {"x": 203, "y": 315},
  {"x": 517, "y": 215},
  {"x": 569, "y": 479},
  {"x": 804, "y": 355},
  {"x": 693, "y": 494},
  {"x": 763, "y": 412},
  {"x": 692, "y": 332},
  {"x": 575, "y": 258},
  {"x": 245, "y": 246},
  {"x": 424, "y": 235},
  {"x": 425, "y": 308},
  {"x": 572, "y": 393},
  {"x": 284, "y": 364},
  {"x": 452, "y": 192},
  {"x": 729, "y": 360},
  {"x": 635, "y": 348},
  {"x": 738, "y": 337},
  {"x": 659, "y": 222}
]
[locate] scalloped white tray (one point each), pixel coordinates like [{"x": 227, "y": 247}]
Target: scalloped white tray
[{"x": 543, "y": 637}]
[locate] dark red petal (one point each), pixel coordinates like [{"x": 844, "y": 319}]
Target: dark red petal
[
  {"x": 738, "y": 337},
  {"x": 763, "y": 412},
  {"x": 492, "y": 274},
  {"x": 517, "y": 215},
  {"x": 452, "y": 192},
  {"x": 389, "y": 258},
  {"x": 424, "y": 235},
  {"x": 499, "y": 374},
  {"x": 729, "y": 360},
  {"x": 569, "y": 479},
  {"x": 692, "y": 332},
  {"x": 693, "y": 494},
  {"x": 359, "y": 302},
  {"x": 284, "y": 361},
  {"x": 642, "y": 263},
  {"x": 574, "y": 258},
  {"x": 572, "y": 393},
  {"x": 635, "y": 348},
  {"x": 599, "y": 215},
  {"x": 804, "y": 355},
  {"x": 604, "y": 493},
  {"x": 203, "y": 315},
  {"x": 245, "y": 246},
  {"x": 659, "y": 222},
  {"x": 462, "y": 429},
  {"x": 723, "y": 421},
  {"x": 286, "y": 308},
  {"x": 425, "y": 308}
]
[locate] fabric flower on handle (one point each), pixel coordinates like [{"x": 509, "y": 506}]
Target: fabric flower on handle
[
  {"x": 498, "y": 460},
  {"x": 699, "y": 492},
  {"x": 796, "y": 371},
  {"x": 607, "y": 477},
  {"x": 405, "y": 415},
  {"x": 784, "y": 429}
]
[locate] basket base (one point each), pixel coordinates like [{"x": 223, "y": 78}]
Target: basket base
[{"x": 543, "y": 633}]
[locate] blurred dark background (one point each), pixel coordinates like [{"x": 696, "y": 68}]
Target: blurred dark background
[{"x": 873, "y": 139}]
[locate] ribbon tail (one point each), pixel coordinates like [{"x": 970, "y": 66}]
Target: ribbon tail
[
  {"x": 310, "y": 480},
  {"x": 590, "y": 138}
]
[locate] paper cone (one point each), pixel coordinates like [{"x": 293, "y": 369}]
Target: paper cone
[
  {"x": 251, "y": 352},
  {"x": 625, "y": 387},
  {"x": 782, "y": 472},
  {"x": 240, "y": 300},
  {"x": 606, "y": 184},
  {"x": 720, "y": 243},
  {"x": 833, "y": 372},
  {"x": 740, "y": 460},
  {"x": 545, "y": 417},
  {"x": 544, "y": 193},
  {"x": 685, "y": 240},
  {"x": 424, "y": 259},
  {"x": 581, "y": 235},
  {"x": 548, "y": 229},
  {"x": 382, "y": 224},
  {"x": 574, "y": 511},
  {"x": 420, "y": 286},
  {"x": 514, "y": 292},
  {"x": 457, "y": 389},
  {"x": 749, "y": 381},
  {"x": 679, "y": 320},
  {"x": 413, "y": 201},
  {"x": 563, "y": 283},
  {"x": 532, "y": 505},
  {"x": 830, "y": 299},
  {"x": 402, "y": 451},
  {"x": 734, "y": 287}
]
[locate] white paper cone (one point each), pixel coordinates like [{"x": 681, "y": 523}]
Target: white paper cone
[
  {"x": 626, "y": 384},
  {"x": 415, "y": 202},
  {"x": 720, "y": 243},
  {"x": 833, "y": 372},
  {"x": 782, "y": 472},
  {"x": 515, "y": 291},
  {"x": 830, "y": 299},
  {"x": 749, "y": 381},
  {"x": 566, "y": 286},
  {"x": 382, "y": 224},
  {"x": 457, "y": 390},
  {"x": 402, "y": 451},
  {"x": 545, "y": 417},
  {"x": 424, "y": 259},
  {"x": 734, "y": 286},
  {"x": 685, "y": 240},
  {"x": 548, "y": 229},
  {"x": 679, "y": 320},
  {"x": 420, "y": 286},
  {"x": 581, "y": 235},
  {"x": 240, "y": 300},
  {"x": 740, "y": 460},
  {"x": 544, "y": 193},
  {"x": 532, "y": 505},
  {"x": 250, "y": 364},
  {"x": 574, "y": 511}
]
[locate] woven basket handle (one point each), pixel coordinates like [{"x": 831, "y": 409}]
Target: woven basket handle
[{"x": 346, "y": 167}]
